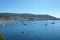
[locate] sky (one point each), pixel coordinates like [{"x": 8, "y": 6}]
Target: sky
[{"x": 50, "y": 7}]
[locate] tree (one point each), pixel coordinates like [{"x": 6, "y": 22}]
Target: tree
[{"x": 1, "y": 36}]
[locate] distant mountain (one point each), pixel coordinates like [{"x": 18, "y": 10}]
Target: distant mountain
[{"x": 26, "y": 16}]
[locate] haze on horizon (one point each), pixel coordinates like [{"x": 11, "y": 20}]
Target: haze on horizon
[{"x": 50, "y": 7}]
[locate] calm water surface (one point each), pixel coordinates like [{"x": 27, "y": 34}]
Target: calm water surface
[{"x": 31, "y": 30}]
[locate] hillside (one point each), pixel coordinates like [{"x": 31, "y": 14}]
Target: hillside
[{"x": 24, "y": 16}]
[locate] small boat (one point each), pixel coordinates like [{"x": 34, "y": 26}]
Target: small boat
[
  {"x": 34, "y": 23},
  {"x": 53, "y": 23},
  {"x": 24, "y": 24},
  {"x": 45, "y": 24},
  {"x": 22, "y": 32}
]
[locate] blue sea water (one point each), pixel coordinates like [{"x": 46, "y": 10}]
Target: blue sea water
[{"x": 31, "y": 30}]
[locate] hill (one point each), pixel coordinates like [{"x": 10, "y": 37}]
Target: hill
[{"x": 25, "y": 16}]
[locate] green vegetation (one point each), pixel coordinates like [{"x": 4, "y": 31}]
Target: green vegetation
[{"x": 1, "y": 36}]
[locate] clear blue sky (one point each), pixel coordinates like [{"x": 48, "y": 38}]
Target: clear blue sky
[{"x": 51, "y": 7}]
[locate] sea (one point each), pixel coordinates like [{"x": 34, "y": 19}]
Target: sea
[{"x": 31, "y": 30}]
